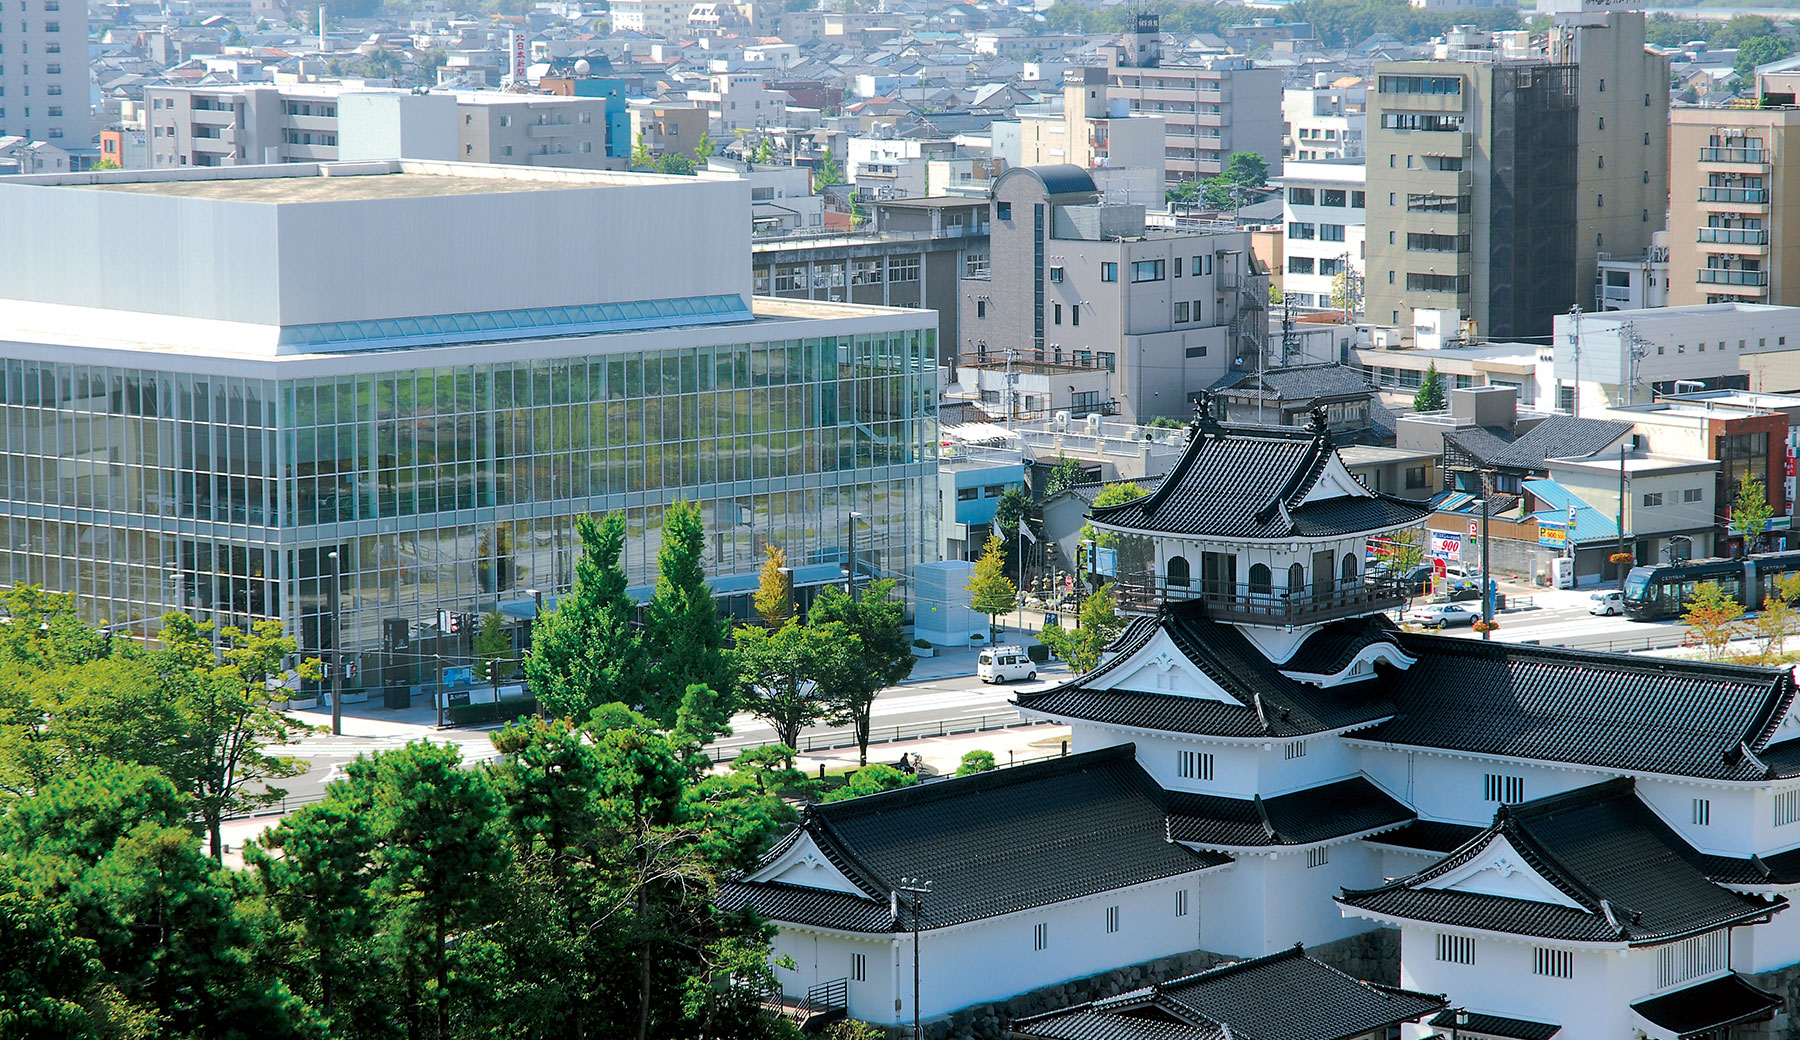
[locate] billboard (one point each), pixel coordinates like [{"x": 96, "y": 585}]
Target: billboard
[
  {"x": 1445, "y": 545},
  {"x": 521, "y": 53}
]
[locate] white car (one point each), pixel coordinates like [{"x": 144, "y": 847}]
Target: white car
[
  {"x": 1443, "y": 615},
  {"x": 1607, "y": 604},
  {"x": 1004, "y": 664}
]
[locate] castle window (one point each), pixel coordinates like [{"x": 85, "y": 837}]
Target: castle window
[
  {"x": 1178, "y": 572},
  {"x": 1296, "y": 580},
  {"x": 1261, "y": 584},
  {"x": 1349, "y": 568}
]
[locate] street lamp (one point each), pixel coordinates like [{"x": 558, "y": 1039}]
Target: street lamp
[
  {"x": 851, "y": 522},
  {"x": 917, "y": 887}
]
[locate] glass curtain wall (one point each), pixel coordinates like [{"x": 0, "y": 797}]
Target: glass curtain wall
[{"x": 453, "y": 489}]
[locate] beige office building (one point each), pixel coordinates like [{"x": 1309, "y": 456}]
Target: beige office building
[
  {"x": 1730, "y": 199},
  {"x": 1501, "y": 174}
]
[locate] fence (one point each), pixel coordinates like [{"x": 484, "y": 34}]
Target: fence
[{"x": 832, "y": 740}]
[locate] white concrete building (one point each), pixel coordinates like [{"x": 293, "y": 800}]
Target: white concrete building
[
  {"x": 1324, "y": 121},
  {"x": 1625, "y": 357},
  {"x": 740, "y": 101},
  {"x": 44, "y": 73},
  {"x": 1323, "y": 212}
]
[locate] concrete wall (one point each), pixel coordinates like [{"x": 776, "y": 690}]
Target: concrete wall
[
  {"x": 396, "y": 126},
  {"x": 305, "y": 262}
]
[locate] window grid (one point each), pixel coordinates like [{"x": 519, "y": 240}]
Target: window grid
[
  {"x": 1194, "y": 765},
  {"x": 1455, "y": 949},
  {"x": 1555, "y": 964},
  {"x": 1317, "y": 857},
  {"x": 1181, "y": 902},
  {"x": 859, "y": 967},
  {"x": 1692, "y": 958},
  {"x": 1112, "y": 920},
  {"x": 1787, "y": 807},
  {"x": 1702, "y": 812},
  {"x": 1294, "y": 749},
  {"x": 1497, "y": 787},
  {"x": 1040, "y": 936}
]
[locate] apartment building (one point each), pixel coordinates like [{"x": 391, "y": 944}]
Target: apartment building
[
  {"x": 664, "y": 19},
  {"x": 1093, "y": 130},
  {"x": 1324, "y": 121},
  {"x": 1210, "y": 111},
  {"x": 1323, "y": 209},
  {"x": 242, "y": 125},
  {"x": 668, "y": 128},
  {"x": 1731, "y": 240},
  {"x": 1498, "y": 177},
  {"x": 1106, "y": 314},
  {"x": 43, "y": 87},
  {"x": 741, "y": 101}
]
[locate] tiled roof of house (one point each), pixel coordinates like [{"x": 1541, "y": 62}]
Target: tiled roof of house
[
  {"x": 1350, "y": 806},
  {"x": 1709, "y": 1007},
  {"x": 1612, "y": 711},
  {"x": 1268, "y": 703},
  {"x": 1630, "y": 877},
  {"x": 1485, "y": 443},
  {"x": 1282, "y": 996},
  {"x": 990, "y": 844},
  {"x": 1428, "y": 836},
  {"x": 1249, "y": 482},
  {"x": 1298, "y": 383},
  {"x": 1496, "y": 1025},
  {"x": 1560, "y": 437}
]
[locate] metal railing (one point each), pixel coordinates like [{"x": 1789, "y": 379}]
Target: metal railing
[
  {"x": 1262, "y": 604},
  {"x": 1735, "y": 236},
  {"x": 1759, "y": 196},
  {"x": 833, "y": 740},
  {"x": 1727, "y": 276},
  {"x": 1734, "y": 155}
]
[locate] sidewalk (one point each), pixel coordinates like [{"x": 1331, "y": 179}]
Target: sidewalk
[
  {"x": 959, "y": 662},
  {"x": 944, "y": 754}
]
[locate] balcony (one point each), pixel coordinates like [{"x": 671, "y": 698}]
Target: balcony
[
  {"x": 1735, "y": 155},
  {"x": 542, "y": 130},
  {"x": 1726, "y": 276},
  {"x": 1257, "y": 605},
  {"x": 1734, "y": 236},
  {"x": 1754, "y": 196}
]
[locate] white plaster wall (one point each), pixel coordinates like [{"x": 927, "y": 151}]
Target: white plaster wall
[
  {"x": 1594, "y": 1004},
  {"x": 821, "y": 957},
  {"x": 1768, "y": 946},
  {"x": 1326, "y": 759},
  {"x": 1732, "y": 810},
  {"x": 1236, "y": 767},
  {"x": 1298, "y": 904},
  {"x": 1451, "y": 789}
]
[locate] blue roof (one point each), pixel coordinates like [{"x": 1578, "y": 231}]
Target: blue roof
[{"x": 1591, "y": 525}]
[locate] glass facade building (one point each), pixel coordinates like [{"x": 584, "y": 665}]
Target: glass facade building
[{"x": 450, "y": 485}]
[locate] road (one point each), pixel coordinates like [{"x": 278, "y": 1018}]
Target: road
[{"x": 1570, "y": 624}]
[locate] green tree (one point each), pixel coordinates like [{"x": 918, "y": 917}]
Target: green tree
[
  {"x": 765, "y": 152},
  {"x": 871, "y": 780},
  {"x": 48, "y": 975},
  {"x": 1247, "y": 168},
  {"x": 977, "y": 761},
  {"x": 106, "y": 164},
  {"x": 1430, "y": 396},
  {"x": 587, "y": 652},
  {"x": 1275, "y": 295},
  {"x": 1064, "y": 474},
  {"x": 1012, "y": 509},
  {"x": 781, "y": 672},
  {"x": 230, "y": 716},
  {"x": 827, "y": 172},
  {"x": 704, "y": 148},
  {"x": 317, "y": 888},
  {"x": 991, "y": 592},
  {"x": 1098, "y": 624},
  {"x": 641, "y": 159},
  {"x": 683, "y": 631},
  {"x": 877, "y": 621},
  {"x": 1712, "y": 615},
  {"x": 1750, "y": 514},
  {"x": 676, "y": 164},
  {"x": 1135, "y": 555},
  {"x": 774, "y": 596},
  {"x": 1774, "y": 623},
  {"x": 492, "y": 643},
  {"x": 438, "y": 857},
  {"x": 1760, "y": 50}
]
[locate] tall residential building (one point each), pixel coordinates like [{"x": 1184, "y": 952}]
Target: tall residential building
[
  {"x": 1733, "y": 219},
  {"x": 1498, "y": 179},
  {"x": 196, "y": 428},
  {"x": 1086, "y": 310},
  {"x": 43, "y": 86},
  {"x": 1092, "y": 130},
  {"x": 1322, "y": 244},
  {"x": 1211, "y": 111}
]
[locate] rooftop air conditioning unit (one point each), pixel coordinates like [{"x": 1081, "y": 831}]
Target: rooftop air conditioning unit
[
  {"x": 1093, "y": 421},
  {"x": 1062, "y": 421}
]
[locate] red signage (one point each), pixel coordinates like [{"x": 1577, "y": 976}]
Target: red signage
[{"x": 1474, "y": 529}]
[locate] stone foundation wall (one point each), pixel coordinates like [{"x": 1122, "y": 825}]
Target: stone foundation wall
[
  {"x": 1374, "y": 956},
  {"x": 1784, "y": 983}
]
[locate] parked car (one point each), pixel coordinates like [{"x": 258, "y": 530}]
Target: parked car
[
  {"x": 1443, "y": 615},
  {"x": 1607, "y": 604},
  {"x": 1416, "y": 580},
  {"x": 1004, "y": 664}
]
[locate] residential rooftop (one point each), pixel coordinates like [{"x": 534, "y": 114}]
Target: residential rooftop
[{"x": 337, "y": 182}]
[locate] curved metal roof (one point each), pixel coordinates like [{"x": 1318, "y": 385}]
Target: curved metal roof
[{"x": 1062, "y": 179}]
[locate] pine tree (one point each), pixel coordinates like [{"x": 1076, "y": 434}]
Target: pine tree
[
  {"x": 1430, "y": 397},
  {"x": 587, "y": 652},
  {"x": 684, "y": 631}
]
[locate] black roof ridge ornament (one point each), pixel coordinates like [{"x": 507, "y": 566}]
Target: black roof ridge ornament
[{"x": 1204, "y": 421}]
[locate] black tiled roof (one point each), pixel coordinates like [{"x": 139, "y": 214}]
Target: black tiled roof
[
  {"x": 1782, "y": 868},
  {"x": 1560, "y": 437},
  {"x": 990, "y": 844},
  {"x": 1283, "y": 996},
  {"x": 1722, "y": 1002},
  {"x": 1632, "y": 877},
  {"x": 1298, "y": 383},
  {"x": 1481, "y": 442},
  {"x": 1247, "y": 482},
  {"x": 1495, "y": 1025},
  {"x": 1321, "y": 813},
  {"x": 798, "y": 904},
  {"x": 1612, "y": 711},
  {"x": 1428, "y": 836},
  {"x": 1268, "y": 702}
]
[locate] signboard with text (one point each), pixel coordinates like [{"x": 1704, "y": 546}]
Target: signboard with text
[
  {"x": 1445, "y": 545},
  {"x": 1555, "y": 536},
  {"x": 521, "y": 49}
]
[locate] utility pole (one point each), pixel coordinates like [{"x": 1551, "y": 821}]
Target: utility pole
[
  {"x": 1487, "y": 580},
  {"x": 337, "y": 654},
  {"x": 918, "y": 887},
  {"x": 1621, "y": 515},
  {"x": 1011, "y": 355},
  {"x": 1575, "y": 341},
  {"x": 1287, "y": 328}
]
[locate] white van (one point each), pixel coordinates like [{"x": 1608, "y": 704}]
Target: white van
[
  {"x": 1004, "y": 664},
  {"x": 1607, "y": 603}
]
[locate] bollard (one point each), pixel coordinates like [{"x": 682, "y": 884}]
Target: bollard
[{"x": 1065, "y": 750}]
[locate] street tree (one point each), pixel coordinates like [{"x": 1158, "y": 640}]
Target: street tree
[
  {"x": 1774, "y": 623},
  {"x": 878, "y": 622},
  {"x": 774, "y": 597},
  {"x": 492, "y": 643},
  {"x": 1098, "y": 624},
  {"x": 1712, "y": 616},
  {"x": 229, "y": 712},
  {"x": 684, "y": 631},
  {"x": 977, "y": 761},
  {"x": 781, "y": 673},
  {"x": 991, "y": 592},
  {"x": 1750, "y": 514},
  {"x": 588, "y": 652}
]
